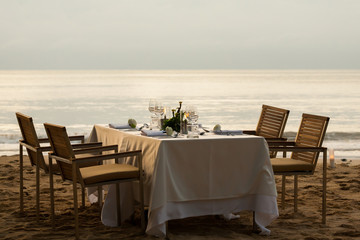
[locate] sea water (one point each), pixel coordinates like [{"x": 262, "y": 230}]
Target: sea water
[{"x": 231, "y": 98}]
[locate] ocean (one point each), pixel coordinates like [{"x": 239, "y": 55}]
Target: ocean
[{"x": 231, "y": 98}]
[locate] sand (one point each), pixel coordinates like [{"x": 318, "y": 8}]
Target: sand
[{"x": 343, "y": 214}]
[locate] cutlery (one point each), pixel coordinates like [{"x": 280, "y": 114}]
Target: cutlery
[{"x": 145, "y": 125}]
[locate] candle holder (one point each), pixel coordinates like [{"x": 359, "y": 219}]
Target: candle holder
[{"x": 332, "y": 158}]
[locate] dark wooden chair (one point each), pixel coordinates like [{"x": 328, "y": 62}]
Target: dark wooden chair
[
  {"x": 70, "y": 159},
  {"x": 271, "y": 124},
  {"x": 305, "y": 153},
  {"x": 35, "y": 152}
]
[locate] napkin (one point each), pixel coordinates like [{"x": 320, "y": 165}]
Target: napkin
[
  {"x": 152, "y": 133},
  {"x": 229, "y": 132},
  {"x": 119, "y": 126}
]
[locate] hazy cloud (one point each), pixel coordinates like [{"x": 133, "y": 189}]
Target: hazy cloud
[{"x": 203, "y": 34}]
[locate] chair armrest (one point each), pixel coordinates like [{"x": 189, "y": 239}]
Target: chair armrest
[
  {"x": 57, "y": 158},
  {"x": 96, "y": 149},
  {"x": 48, "y": 148},
  {"x": 72, "y": 138},
  {"x": 298, "y": 149},
  {"x": 45, "y": 149},
  {"x": 77, "y": 137},
  {"x": 34, "y": 149},
  {"x": 281, "y": 144},
  {"x": 86, "y": 145},
  {"x": 97, "y": 158},
  {"x": 276, "y": 139},
  {"x": 250, "y": 132},
  {"x": 43, "y": 140}
]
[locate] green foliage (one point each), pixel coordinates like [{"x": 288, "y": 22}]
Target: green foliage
[{"x": 173, "y": 122}]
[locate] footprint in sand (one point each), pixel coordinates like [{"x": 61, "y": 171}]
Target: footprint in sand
[
  {"x": 348, "y": 233},
  {"x": 344, "y": 187},
  {"x": 339, "y": 177}
]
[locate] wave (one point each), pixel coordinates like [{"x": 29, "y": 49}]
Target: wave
[{"x": 12, "y": 138}]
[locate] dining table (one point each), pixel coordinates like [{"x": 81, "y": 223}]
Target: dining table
[{"x": 213, "y": 174}]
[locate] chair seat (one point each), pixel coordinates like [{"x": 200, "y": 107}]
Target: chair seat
[
  {"x": 290, "y": 165},
  {"x": 104, "y": 173}
]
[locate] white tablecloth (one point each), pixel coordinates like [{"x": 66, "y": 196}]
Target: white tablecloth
[{"x": 214, "y": 174}]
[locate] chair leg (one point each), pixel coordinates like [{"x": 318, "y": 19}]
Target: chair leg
[
  {"x": 141, "y": 194},
  {"x": 82, "y": 196},
  {"x": 37, "y": 186},
  {"x": 295, "y": 192},
  {"x": 283, "y": 187},
  {"x": 167, "y": 230},
  {"x": 118, "y": 207},
  {"x": 21, "y": 179},
  {"x": 52, "y": 205},
  {"x": 254, "y": 223},
  {"x": 76, "y": 213},
  {"x": 100, "y": 196},
  {"x": 283, "y": 192},
  {"x": 324, "y": 187},
  {"x": 142, "y": 209}
]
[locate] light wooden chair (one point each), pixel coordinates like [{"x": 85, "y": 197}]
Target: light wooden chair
[
  {"x": 35, "y": 152},
  {"x": 271, "y": 124},
  {"x": 305, "y": 153},
  {"x": 69, "y": 160}
]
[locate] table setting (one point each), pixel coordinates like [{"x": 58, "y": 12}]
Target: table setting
[
  {"x": 174, "y": 122},
  {"x": 192, "y": 170}
]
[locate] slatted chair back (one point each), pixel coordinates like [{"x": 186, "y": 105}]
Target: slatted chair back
[
  {"x": 272, "y": 122},
  {"x": 60, "y": 144},
  {"x": 311, "y": 134},
  {"x": 30, "y": 137}
]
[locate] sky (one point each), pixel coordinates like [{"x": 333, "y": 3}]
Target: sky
[{"x": 186, "y": 34}]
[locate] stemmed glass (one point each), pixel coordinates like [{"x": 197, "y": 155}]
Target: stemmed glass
[
  {"x": 153, "y": 117},
  {"x": 159, "y": 111},
  {"x": 152, "y": 104},
  {"x": 191, "y": 113}
]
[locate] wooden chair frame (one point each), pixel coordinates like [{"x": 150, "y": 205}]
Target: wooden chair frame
[
  {"x": 76, "y": 177},
  {"x": 271, "y": 124},
  {"x": 295, "y": 147},
  {"x": 32, "y": 144}
]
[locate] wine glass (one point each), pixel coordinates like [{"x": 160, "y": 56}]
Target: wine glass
[
  {"x": 192, "y": 114},
  {"x": 152, "y": 104},
  {"x": 159, "y": 111},
  {"x": 159, "y": 108}
]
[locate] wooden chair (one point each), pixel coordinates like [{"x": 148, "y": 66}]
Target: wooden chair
[
  {"x": 271, "y": 124},
  {"x": 35, "y": 152},
  {"x": 68, "y": 160},
  {"x": 305, "y": 153}
]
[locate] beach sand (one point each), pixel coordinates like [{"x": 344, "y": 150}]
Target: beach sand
[{"x": 343, "y": 211}]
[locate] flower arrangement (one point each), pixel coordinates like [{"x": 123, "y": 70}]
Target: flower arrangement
[
  {"x": 175, "y": 122},
  {"x": 169, "y": 131}
]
